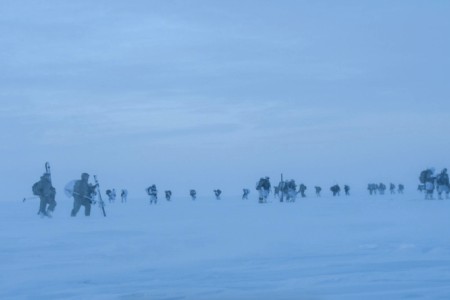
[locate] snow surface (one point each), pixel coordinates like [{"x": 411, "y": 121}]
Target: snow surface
[{"x": 357, "y": 247}]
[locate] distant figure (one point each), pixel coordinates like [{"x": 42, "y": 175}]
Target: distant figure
[
  {"x": 372, "y": 187},
  {"x": 111, "y": 195},
  {"x": 291, "y": 192},
  {"x": 114, "y": 195},
  {"x": 245, "y": 193},
  {"x": 336, "y": 190},
  {"x": 392, "y": 188},
  {"x": 426, "y": 177},
  {"x": 318, "y": 190},
  {"x": 347, "y": 190},
  {"x": 168, "y": 195},
  {"x": 46, "y": 192},
  {"x": 153, "y": 193},
  {"x": 276, "y": 191},
  {"x": 83, "y": 193},
  {"x": 429, "y": 189},
  {"x": 124, "y": 195},
  {"x": 302, "y": 189},
  {"x": 288, "y": 190},
  {"x": 421, "y": 188},
  {"x": 442, "y": 181},
  {"x": 263, "y": 187},
  {"x": 381, "y": 188},
  {"x": 217, "y": 192},
  {"x": 376, "y": 188},
  {"x": 193, "y": 194},
  {"x": 282, "y": 190},
  {"x": 400, "y": 188}
]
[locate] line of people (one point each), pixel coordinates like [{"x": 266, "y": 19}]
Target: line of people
[
  {"x": 84, "y": 193},
  {"x": 112, "y": 195},
  {"x": 152, "y": 192},
  {"x": 380, "y": 188},
  {"x": 286, "y": 190}
]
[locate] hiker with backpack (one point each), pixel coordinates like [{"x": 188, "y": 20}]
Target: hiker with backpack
[
  {"x": 381, "y": 188},
  {"x": 442, "y": 182},
  {"x": 193, "y": 194},
  {"x": 245, "y": 193},
  {"x": 392, "y": 188},
  {"x": 124, "y": 195},
  {"x": 83, "y": 193},
  {"x": 347, "y": 190},
  {"x": 318, "y": 190},
  {"x": 217, "y": 193},
  {"x": 428, "y": 180},
  {"x": 46, "y": 192},
  {"x": 291, "y": 191},
  {"x": 336, "y": 190},
  {"x": 263, "y": 187},
  {"x": 168, "y": 194},
  {"x": 373, "y": 188},
  {"x": 276, "y": 191},
  {"x": 153, "y": 193},
  {"x": 302, "y": 189},
  {"x": 111, "y": 195}
]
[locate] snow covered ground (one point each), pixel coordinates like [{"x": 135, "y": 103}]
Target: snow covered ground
[{"x": 357, "y": 247}]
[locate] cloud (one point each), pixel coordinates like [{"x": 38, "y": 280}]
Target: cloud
[
  {"x": 66, "y": 123},
  {"x": 249, "y": 77}
]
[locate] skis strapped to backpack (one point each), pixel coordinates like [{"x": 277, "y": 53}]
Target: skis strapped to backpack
[
  {"x": 47, "y": 170},
  {"x": 100, "y": 200}
]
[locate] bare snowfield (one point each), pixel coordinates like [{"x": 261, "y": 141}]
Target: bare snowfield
[{"x": 357, "y": 247}]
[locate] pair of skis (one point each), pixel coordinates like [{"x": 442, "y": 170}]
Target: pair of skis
[
  {"x": 101, "y": 202},
  {"x": 48, "y": 171}
]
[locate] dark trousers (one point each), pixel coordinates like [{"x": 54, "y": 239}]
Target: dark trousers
[
  {"x": 50, "y": 201},
  {"x": 77, "y": 203}
]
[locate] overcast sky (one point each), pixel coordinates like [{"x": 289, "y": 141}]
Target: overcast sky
[{"x": 215, "y": 94}]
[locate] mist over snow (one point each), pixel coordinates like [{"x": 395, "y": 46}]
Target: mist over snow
[
  {"x": 216, "y": 94},
  {"x": 206, "y": 95},
  {"x": 357, "y": 247}
]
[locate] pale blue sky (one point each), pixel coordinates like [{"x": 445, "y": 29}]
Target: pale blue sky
[{"x": 208, "y": 94}]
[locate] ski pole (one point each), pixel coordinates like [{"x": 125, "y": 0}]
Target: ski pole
[
  {"x": 29, "y": 198},
  {"x": 85, "y": 197},
  {"x": 101, "y": 203}
]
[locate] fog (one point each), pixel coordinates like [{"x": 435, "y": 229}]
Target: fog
[{"x": 216, "y": 94}]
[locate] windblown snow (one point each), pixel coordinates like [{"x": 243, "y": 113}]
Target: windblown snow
[{"x": 357, "y": 247}]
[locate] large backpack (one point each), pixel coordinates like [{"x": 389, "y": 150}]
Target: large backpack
[{"x": 36, "y": 190}]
